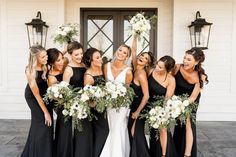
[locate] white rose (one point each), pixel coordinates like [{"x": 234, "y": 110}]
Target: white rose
[
  {"x": 114, "y": 95},
  {"x": 65, "y": 112},
  {"x": 186, "y": 103},
  {"x": 84, "y": 97},
  {"x": 155, "y": 125},
  {"x": 56, "y": 95},
  {"x": 64, "y": 83},
  {"x": 152, "y": 112}
]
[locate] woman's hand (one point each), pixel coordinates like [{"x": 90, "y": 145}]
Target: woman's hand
[
  {"x": 135, "y": 114},
  {"x": 92, "y": 104},
  {"x": 48, "y": 119}
]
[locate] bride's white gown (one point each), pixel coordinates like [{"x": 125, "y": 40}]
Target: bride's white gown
[{"x": 117, "y": 143}]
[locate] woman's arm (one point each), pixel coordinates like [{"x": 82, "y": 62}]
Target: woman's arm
[
  {"x": 51, "y": 80},
  {"x": 195, "y": 92},
  {"x": 134, "y": 52},
  {"x": 88, "y": 79},
  {"x": 67, "y": 74},
  {"x": 35, "y": 90},
  {"x": 170, "y": 87},
  {"x": 144, "y": 85},
  {"x": 129, "y": 77}
]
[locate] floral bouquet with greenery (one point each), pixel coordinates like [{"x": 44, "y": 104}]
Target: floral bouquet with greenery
[
  {"x": 78, "y": 110},
  {"x": 95, "y": 96},
  {"x": 182, "y": 107},
  {"x": 60, "y": 93},
  {"x": 118, "y": 95},
  {"x": 140, "y": 25},
  {"x": 159, "y": 116},
  {"x": 66, "y": 33}
]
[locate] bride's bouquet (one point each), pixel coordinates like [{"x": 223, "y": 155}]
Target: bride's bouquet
[
  {"x": 118, "y": 95},
  {"x": 66, "y": 33}
]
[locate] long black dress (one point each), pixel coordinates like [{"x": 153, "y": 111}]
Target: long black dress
[
  {"x": 183, "y": 87},
  {"x": 100, "y": 125},
  {"x": 83, "y": 140},
  {"x": 156, "y": 89},
  {"x": 63, "y": 134},
  {"x": 40, "y": 138},
  {"x": 138, "y": 143}
]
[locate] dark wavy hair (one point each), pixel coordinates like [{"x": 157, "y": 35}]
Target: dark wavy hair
[
  {"x": 199, "y": 56},
  {"x": 169, "y": 62},
  {"x": 74, "y": 45},
  {"x": 152, "y": 58},
  {"x": 88, "y": 56},
  {"x": 53, "y": 55}
]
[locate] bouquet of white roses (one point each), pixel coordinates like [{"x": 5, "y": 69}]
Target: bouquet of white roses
[
  {"x": 159, "y": 115},
  {"x": 181, "y": 108},
  {"x": 61, "y": 93},
  {"x": 66, "y": 33},
  {"x": 78, "y": 110},
  {"x": 95, "y": 96},
  {"x": 140, "y": 25},
  {"x": 118, "y": 95}
]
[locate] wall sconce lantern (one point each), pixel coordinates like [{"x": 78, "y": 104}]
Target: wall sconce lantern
[
  {"x": 37, "y": 31},
  {"x": 199, "y": 32}
]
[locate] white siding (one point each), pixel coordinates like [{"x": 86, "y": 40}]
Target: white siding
[
  {"x": 14, "y": 49},
  {"x": 217, "y": 102}
]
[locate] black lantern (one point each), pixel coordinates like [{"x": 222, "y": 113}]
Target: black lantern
[
  {"x": 199, "y": 32},
  {"x": 37, "y": 31}
]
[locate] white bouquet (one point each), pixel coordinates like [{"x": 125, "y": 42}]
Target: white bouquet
[
  {"x": 60, "y": 93},
  {"x": 66, "y": 33},
  {"x": 118, "y": 95},
  {"x": 140, "y": 26},
  {"x": 181, "y": 108},
  {"x": 78, "y": 110}
]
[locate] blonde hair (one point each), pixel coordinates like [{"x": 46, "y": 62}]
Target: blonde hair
[{"x": 32, "y": 62}]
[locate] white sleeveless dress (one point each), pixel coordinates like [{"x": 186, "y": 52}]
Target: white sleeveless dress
[{"x": 117, "y": 143}]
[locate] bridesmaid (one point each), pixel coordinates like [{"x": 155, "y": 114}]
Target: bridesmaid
[
  {"x": 57, "y": 63},
  {"x": 162, "y": 83},
  {"x": 190, "y": 77},
  {"x": 94, "y": 76},
  {"x": 139, "y": 147},
  {"x": 74, "y": 75},
  {"x": 39, "y": 142}
]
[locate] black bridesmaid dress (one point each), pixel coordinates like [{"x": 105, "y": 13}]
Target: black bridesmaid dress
[
  {"x": 183, "y": 87},
  {"x": 40, "y": 138},
  {"x": 63, "y": 133},
  {"x": 83, "y": 140},
  {"x": 138, "y": 143},
  {"x": 156, "y": 89},
  {"x": 100, "y": 125}
]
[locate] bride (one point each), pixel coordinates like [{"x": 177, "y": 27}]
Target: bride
[{"x": 117, "y": 143}]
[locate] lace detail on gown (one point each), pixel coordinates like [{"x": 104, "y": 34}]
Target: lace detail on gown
[{"x": 117, "y": 143}]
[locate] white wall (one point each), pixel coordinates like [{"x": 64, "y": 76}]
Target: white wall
[
  {"x": 14, "y": 49},
  {"x": 217, "y": 102}
]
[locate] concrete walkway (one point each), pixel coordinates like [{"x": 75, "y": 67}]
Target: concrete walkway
[{"x": 215, "y": 139}]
